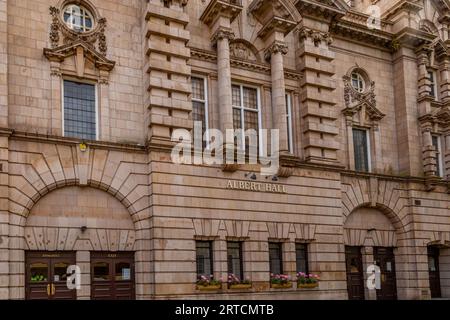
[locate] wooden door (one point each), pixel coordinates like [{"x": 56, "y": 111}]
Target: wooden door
[
  {"x": 385, "y": 259},
  {"x": 433, "y": 270},
  {"x": 46, "y": 275},
  {"x": 355, "y": 276},
  {"x": 112, "y": 276}
]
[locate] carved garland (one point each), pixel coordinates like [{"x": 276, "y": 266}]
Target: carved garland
[
  {"x": 355, "y": 101},
  {"x": 59, "y": 27}
]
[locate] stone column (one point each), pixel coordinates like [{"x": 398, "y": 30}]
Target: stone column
[
  {"x": 275, "y": 53},
  {"x": 445, "y": 79},
  {"x": 429, "y": 153},
  {"x": 221, "y": 39}
]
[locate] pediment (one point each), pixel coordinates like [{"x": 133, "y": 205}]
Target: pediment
[
  {"x": 81, "y": 50},
  {"x": 326, "y": 8}
]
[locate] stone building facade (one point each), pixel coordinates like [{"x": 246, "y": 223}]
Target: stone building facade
[{"x": 91, "y": 92}]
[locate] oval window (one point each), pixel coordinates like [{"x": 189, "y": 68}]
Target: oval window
[
  {"x": 358, "y": 82},
  {"x": 78, "y": 18}
]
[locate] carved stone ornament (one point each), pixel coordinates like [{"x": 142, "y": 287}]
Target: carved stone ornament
[
  {"x": 241, "y": 50},
  {"x": 222, "y": 33},
  {"x": 361, "y": 101},
  {"x": 65, "y": 42},
  {"x": 317, "y": 37},
  {"x": 94, "y": 36},
  {"x": 276, "y": 47}
]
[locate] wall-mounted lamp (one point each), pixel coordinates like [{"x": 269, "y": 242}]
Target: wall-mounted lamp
[
  {"x": 251, "y": 176},
  {"x": 83, "y": 229},
  {"x": 370, "y": 230}
]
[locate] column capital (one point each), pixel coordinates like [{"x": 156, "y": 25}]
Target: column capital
[
  {"x": 222, "y": 33},
  {"x": 276, "y": 47}
]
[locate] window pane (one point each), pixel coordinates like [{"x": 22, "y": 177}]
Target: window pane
[
  {"x": 237, "y": 124},
  {"x": 79, "y": 110},
  {"x": 301, "y": 257},
  {"x": 236, "y": 96},
  {"x": 204, "y": 258},
  {"x": 198, "y": 89},
  {"x": 234, "y": 255},
  {"x": 101, "y": 271},
  {"x": 275, "y": 257},
  {"x": 360, "y": 145},
  {"x": 38, "y": 272},
  {"x": 123, "y": 271},
  {"x": 437, "y": 147},
  {"x": 432, "y": 85},
  {"x": 60, "y": 271},
  {"x": 289, "y": 122},
  {"x": 250, "y": 98}
]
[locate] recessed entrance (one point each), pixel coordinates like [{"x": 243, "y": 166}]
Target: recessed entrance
[
  {"x": 46, "y": 275},
  {"x": 112, "y": 276},
  {"x": 355, "y": 277},
  {"x": 385, "y": 259}
]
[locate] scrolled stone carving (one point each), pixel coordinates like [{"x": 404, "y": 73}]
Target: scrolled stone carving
[
  {"x": 222, "y": 33},
  {"x": 355, "y": 101},
  {"x": 61, "y": 34},
  {"x": 276, "y": 47},
  {"x": 317, "y": 37}
]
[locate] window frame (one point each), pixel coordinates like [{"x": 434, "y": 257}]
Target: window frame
[
  {"x": 368, "y": 148},
  {"x": 432, "y": 77},
  {"x": 242, "y": 110},
  {"x": 86, "y": 12},
  {"x": 280, "y": 245},
  {"x": 306, "y": 250},
  {"x": 290, "y": 123},
  {"x": 206, "y": 106},
  {"x": 96, "y": 93},
  {"x": 440, "y": 160},
  {"x": 211, "y": 257},
  {"x": 241, "y": 259},
  {"x": 360, "y": 79}
]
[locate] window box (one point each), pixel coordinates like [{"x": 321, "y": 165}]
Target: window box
[
  {"x": 307, "y": 285},
  {"x": 215, "y": 287},
  {"x": 281, "y": 285},
  {"x": 240, "y": 286}
]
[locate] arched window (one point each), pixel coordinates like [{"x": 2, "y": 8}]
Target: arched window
[{"x": 78, "y": 18}]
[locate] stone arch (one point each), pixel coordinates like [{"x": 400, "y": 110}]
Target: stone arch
[
  {"x": 79, "y": 219},
  {"x": 371, "y": 227},
  {"x": 39, "y": 169},
  {"x": 243, "y": 49}
]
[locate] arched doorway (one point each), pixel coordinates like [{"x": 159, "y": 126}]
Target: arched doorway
[
  {"x": 85, "y": 227},
  {"x": 370, "y": 239}
]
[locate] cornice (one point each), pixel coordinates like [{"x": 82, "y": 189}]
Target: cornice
[
  {"x": 325, "y": 9},
  {"x": 43, "y": 138},
  {"x": 216, "y": 8},
  {"x": 205, "y": 55},
  {"x": 404, "y": 5}
]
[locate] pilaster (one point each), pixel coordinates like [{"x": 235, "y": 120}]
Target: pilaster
[{"x": 168, "y": 74}]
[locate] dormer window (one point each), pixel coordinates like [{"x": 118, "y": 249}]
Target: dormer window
[{"x": 78, "y": 18}]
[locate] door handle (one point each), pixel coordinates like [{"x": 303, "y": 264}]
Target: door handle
[
  {"x": 48, "y": 290},
  {"x": 53, "y": 289}
]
